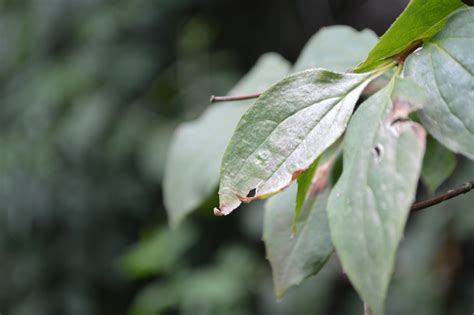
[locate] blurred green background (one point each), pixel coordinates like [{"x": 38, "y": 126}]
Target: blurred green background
[{"x": 91, "y": 91}]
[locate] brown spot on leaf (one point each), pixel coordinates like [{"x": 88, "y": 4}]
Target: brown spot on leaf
[
  {"x": 296, "y": 174},
  {"x": 247, "y": 199},
  {"x": 321, "y": 177},
  {"x": 419, "y": 131},
  {"x": 400, "y": 111}
]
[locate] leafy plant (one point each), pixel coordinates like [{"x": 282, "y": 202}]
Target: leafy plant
[{"x": 420, "y": 74}]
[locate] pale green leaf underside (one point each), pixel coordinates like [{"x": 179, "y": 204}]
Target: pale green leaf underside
[
  {"x": 438, "y": 164},
  {"x": 295, "y": 258},
  {"x": 336, "y": 48},
  {"x": 368, "y": 206},
  {"x": 421, "y": 20},
  {"x": 445, "y": 68},
  {"x": 284, "y": 131},
  {"x": 192, "y": 167}
]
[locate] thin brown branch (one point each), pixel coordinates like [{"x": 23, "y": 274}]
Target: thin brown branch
[
  {"x": 233, "y": 98},
  {"x": 369, "y": 90},
  {"x": 464, "y": 188}
]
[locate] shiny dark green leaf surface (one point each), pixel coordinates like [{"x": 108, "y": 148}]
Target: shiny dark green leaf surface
[{"x": 421, "y": 20}]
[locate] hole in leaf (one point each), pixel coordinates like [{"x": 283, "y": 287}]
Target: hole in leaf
[
  {"x": 252, "y": 193},
  {"x": 399, "y": 120},
  {"x": 378, "y": 151}
]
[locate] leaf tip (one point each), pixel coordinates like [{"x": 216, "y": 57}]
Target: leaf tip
[
  {"x": 218, "y": 212},
  {"x": 279, "y": 293}
]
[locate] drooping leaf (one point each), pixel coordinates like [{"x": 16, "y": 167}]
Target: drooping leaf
[
  {"x": 192, "y": 167},
  {"x": 284, "y": 131},
  {"x": 304, "y": 184},
  {"x": 368, "y": 207},
  {"x": 295, "y": 258},
  {"x": 445, "y": 68},
  {"x": 329, "y": 48},
  {"x": 438, "y": 164},
  {"x": 421, "y": 20}
]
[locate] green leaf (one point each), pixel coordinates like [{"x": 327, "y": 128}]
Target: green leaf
[
  {"x": 284, "y": 131},
  {"x": 158, "y": 252},
  {"x": 368, "y": 207},
  {"x": 329, "y": 46},
  {"x": 156, "y": 298},
  {"x": 438, "y": 164},
  {"x": 192, "y": 167},
  {"x": 445, "y": 67},
  {"x": 295, "y": 258},
  {"x": 304, "y": 184},
  {"x": 421, "y": 20},
  {"x": 217, "y": 288}
]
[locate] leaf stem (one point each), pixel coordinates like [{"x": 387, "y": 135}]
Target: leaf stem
[
  {"x": 233, "y": 98},
  {"x": 229, "y": 98},
  {"x": 464, "y": 188}
]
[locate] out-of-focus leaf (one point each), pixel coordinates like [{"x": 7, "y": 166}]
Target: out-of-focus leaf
[
  {"x": 329, "y": 48},
  {"x": 312, "y": 296},
  {"x": 416, "y": 282},
  {"x": 369, "y": 205},
  {"x": 284, "y": 131},
  {"x": 158, "y": 252},
  {"x": 295, "y": 258},
  {"x": 461, "y": 207},
  {"x": 438, "y": 164},
  {"x": 85, "y": 123},
  {"x": 155, "y": 299},
  {"x": 218, "y": 288},
  {"x": 445, "y": 67},
  {"x": 128, "y": 134},
  {"x": 192, "y": 168},
  {"x": 154, "y": 149},
  {"x": 304, "y": 183},
  {"x": 421, "y": 20}
]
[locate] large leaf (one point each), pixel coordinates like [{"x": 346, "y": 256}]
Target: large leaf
[
  {"x": 295, "y": 258},
  {"x": 368, "y": 207},
  {"x": 284, "y": 131},
  {"x": 421, "y": 20},
  {"x": 445, "y": 67},
  {"x": 329, "y": 48},
  {"x": 192, "y": 168},
  {"x": 438, "y": 164}
]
